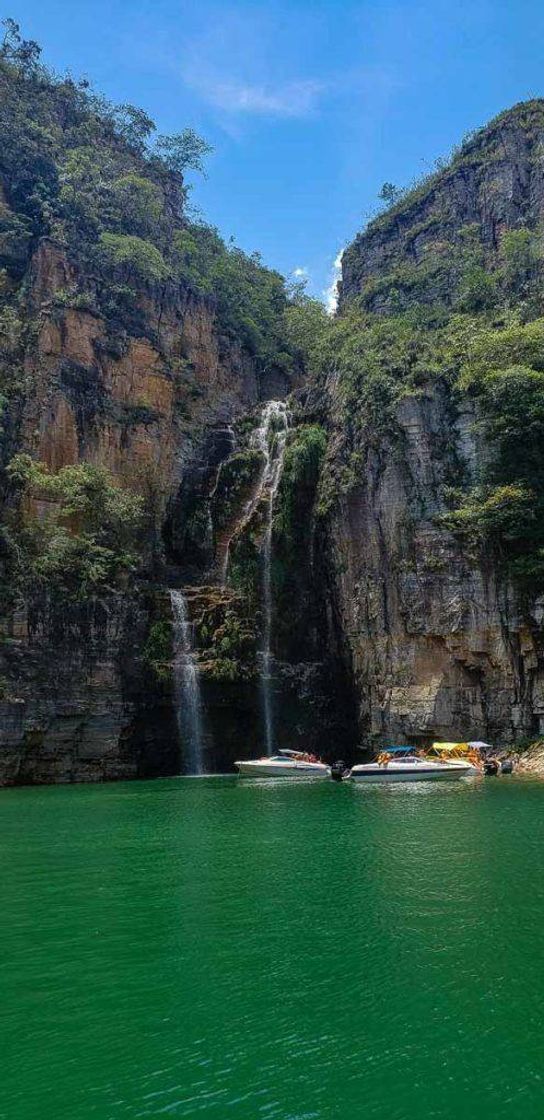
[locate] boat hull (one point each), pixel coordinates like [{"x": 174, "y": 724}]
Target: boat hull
[
  {"x": 370, "y": 774},
  {"x": 263, "y": 769}
]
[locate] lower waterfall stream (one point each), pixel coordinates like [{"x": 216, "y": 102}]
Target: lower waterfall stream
[{"x": 187, "y": 686}]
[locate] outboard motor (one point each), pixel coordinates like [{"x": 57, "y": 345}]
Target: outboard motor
[
  {"x": 338, "y": 770},
  {"x": 507, "y": 766}
]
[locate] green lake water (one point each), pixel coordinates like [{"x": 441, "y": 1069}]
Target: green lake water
[{"x": 225, "y": 949}]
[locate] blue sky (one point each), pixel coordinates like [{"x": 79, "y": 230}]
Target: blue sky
[{"x": 309, "y": 106}]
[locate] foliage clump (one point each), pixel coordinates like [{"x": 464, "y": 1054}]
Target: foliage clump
[
  {"x": 228, "y": 651},
  {"x": 304, "y": 455},
  {"x": 76, "y": 532},
  {"x": 158, "y": 649}
]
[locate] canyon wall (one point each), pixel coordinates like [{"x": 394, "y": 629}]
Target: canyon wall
[
  {"x": 152, "y": 402},
  {"x": 402, "y": 538},
  {"x": 444, "y": 642},
  {"x": 441, "y": 646}
]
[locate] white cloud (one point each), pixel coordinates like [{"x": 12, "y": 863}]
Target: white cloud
[
  {"x": 301, "y": 273},
  {"x": 291, "y": 99},
  {"x": 331, "y": 292},
  {"x": 242, "y": 64}
]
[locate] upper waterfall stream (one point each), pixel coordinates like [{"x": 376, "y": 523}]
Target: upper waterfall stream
[{"x": 273, "y": 416}]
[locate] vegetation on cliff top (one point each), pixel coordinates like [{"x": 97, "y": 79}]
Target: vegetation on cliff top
[
  {"x": 455, "y": 316},
  {"x": 96, "y": 179},
  {"x": 480, "y": 146}
]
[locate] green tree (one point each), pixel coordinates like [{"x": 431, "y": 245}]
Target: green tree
[
  {"x": 134, "y": 125},
  {"x": 184, "y": 151},
  {"x": 522, "y": 254},
  {"x": 389, "y": 193},
  {"x": 86, "y": 540},
  {"x": 134, "y": 254},
  {"x": 478, "y": 289},
  {"x": 137, "y": 205},
  {"x": 23, "y": 53}
]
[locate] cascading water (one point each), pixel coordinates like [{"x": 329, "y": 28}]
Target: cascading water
[
  {"x": 269, "y": 438},
  {"x": 272, "y": 437},
  {"x": 187, "y": 685},
  {"x": 273, "y": 416}
]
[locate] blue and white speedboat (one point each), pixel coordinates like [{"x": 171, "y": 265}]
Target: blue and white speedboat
[{"x": 400, "y": 764}]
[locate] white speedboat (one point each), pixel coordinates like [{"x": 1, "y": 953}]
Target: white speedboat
[
  {"x": 284, "y": 764},
  {"x": 398, "y": 767}
]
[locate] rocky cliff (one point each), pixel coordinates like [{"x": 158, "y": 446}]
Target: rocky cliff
[
  {"x": 433, "y": 404},
  {"x": 365, "y": 560},
  {"x": 416, "y": 250},
  {"x": 153, "y": 407},
  {"x": 136, "y": 351},
  {"x": 442, "y": 646}
]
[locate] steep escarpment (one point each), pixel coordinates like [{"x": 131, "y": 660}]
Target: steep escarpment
[
  {"x": 434, "y": 388},
  {"x": 310, "y": 531},
  {"x": 440, "y": 238},
  {"x": 136, "y": 350}
]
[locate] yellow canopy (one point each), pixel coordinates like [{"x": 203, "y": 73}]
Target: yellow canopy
[{"x": 451, "y": 747}]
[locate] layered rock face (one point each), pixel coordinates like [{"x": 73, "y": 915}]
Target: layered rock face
[
  {"x": 495, "y": 183},
  {"x": 136, "y": 399},
  {"x": 440, "y": 647},
  {"x": 375, "y": 619},
  {"x": 153, "y": 403},
  {"x": 443, "y": 643},
  {"x": 85, "y": 706}
]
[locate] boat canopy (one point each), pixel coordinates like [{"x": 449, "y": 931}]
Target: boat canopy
[
  {"x": 407, "y": 749},
  {"x": 477, "y": 745},
  {"x": 463, "y": 747}
]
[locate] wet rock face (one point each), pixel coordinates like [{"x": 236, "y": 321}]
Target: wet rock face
[
  {"x": 151, "y": 398},
  {"x": 86, "y": 706},
  {"x": 440, "y": 647}
]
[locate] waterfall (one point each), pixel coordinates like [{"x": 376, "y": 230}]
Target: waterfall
[
  {"x": 187, "y": 685},
  {"x": 269, "y": 438},
  {"x": 273, "y": 415},
  {"x": 272, "y": 437}
]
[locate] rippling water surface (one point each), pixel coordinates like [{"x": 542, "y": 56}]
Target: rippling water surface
[{"x": 226, "y": 949}]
